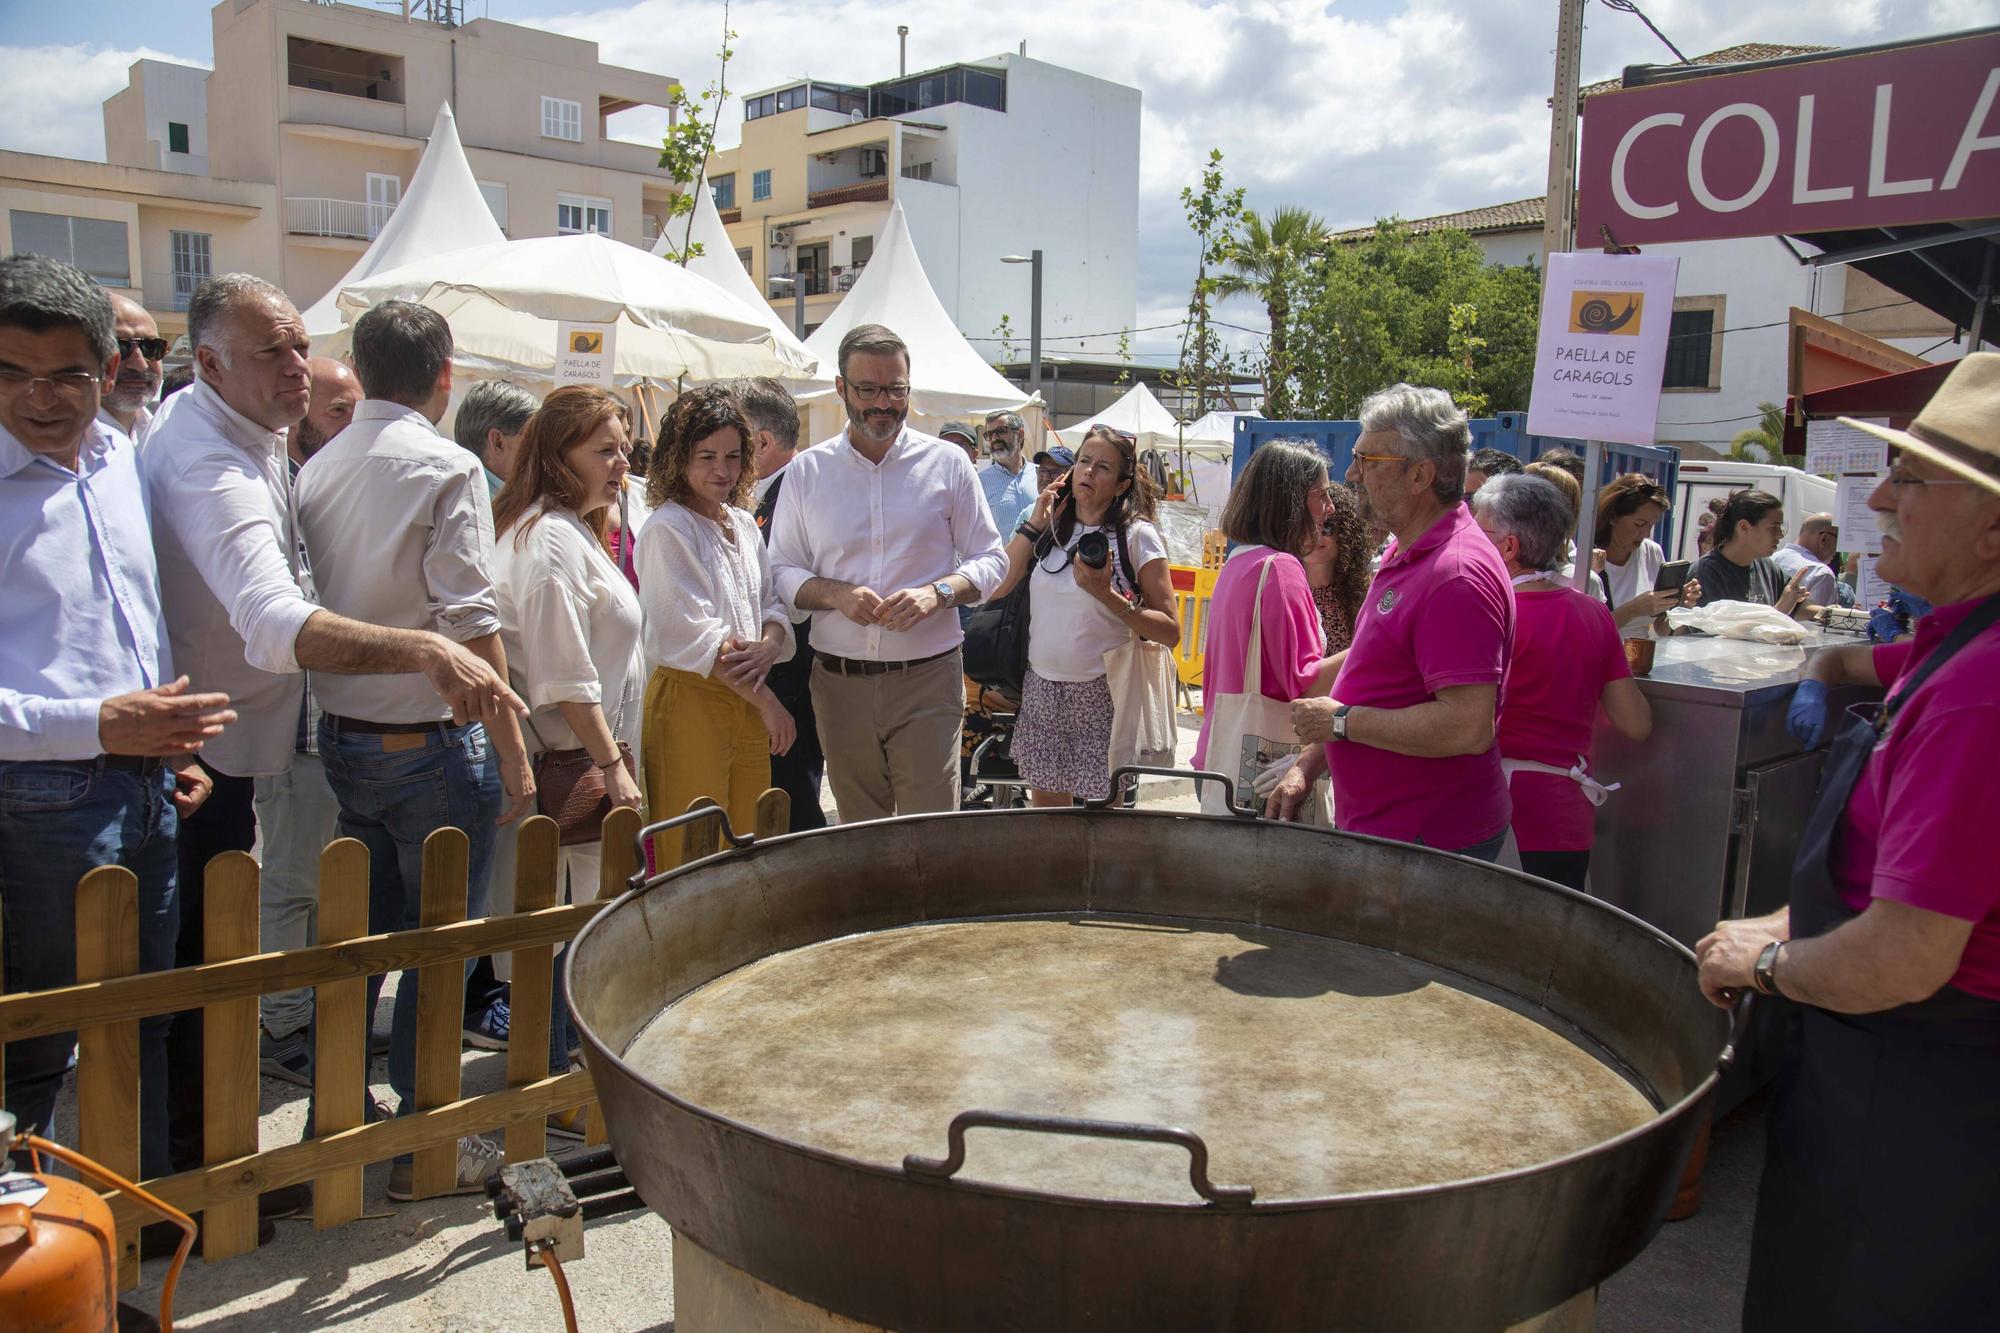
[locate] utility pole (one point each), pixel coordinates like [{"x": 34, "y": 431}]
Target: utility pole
[{"x": 1559, "y": 209}]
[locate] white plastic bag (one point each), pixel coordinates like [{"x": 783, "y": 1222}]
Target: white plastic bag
[{"x": 1740, "y": 620}]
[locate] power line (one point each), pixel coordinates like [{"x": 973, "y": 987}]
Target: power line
[{"x": 1628, "y": 7}]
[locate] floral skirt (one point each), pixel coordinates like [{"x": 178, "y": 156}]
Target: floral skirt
[{"x": 1062, "y": 741}]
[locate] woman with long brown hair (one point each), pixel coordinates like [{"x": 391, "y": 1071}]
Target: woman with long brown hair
[
  {"x": 714, "y": 623},
  {"x": 1339, "y": 568}
]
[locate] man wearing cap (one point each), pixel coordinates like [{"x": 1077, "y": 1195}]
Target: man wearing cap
[
  {"x": 1876, "y": 1206},
  {"x": 1050, "y": 464},
  {"x": 963, "y": 436}
]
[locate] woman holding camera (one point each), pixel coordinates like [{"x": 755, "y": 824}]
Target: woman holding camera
[{"x": 1099, "y": 571}]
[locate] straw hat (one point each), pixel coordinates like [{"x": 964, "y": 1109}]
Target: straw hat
[{"x": 1960, "y": 427}]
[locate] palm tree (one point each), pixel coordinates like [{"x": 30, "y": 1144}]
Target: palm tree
[
  {"x": 1764, "y": 442},
  {"x": 1265, "y": 260}
]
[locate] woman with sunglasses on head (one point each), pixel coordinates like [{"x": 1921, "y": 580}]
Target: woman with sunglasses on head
[{"x": 1099, "y": 567}]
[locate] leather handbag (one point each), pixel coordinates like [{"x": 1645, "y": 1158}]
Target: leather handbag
[{"x": 570, "y": 789}]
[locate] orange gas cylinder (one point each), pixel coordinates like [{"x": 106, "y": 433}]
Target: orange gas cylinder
[{"x": 57, "y": 1244}]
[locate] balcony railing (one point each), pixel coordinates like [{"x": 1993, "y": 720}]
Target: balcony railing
[
  {"x": 354, "y": 219},
  {"x": 867, "y": 192},
  {"x": 170, "y": 290}
]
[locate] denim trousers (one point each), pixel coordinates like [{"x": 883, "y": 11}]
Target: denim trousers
[
  {"x": 58, "y": 822},
  {"x": 298, "y": 817},
  {"x": 392, "y": 796}
]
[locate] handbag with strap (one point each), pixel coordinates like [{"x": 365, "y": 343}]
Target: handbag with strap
[
  {"x": 570, "y": 786},
  {"x": 1249, "y": 731}
]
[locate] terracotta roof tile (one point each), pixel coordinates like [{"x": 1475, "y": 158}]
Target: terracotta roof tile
[
  {"x": 1728, "y": 55},
  {"x": 1520, "y": 214}
]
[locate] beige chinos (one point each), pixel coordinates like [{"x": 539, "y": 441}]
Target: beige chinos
[{"x": 891, "y": 740}]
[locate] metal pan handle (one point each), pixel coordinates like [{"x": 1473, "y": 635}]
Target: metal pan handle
[
  {"x": 1196, "y": 775},
  {"x": 736, "y": 840},
  {"x": 1228, "y": 1196},
  {"x": 1739, "y": 1024}
]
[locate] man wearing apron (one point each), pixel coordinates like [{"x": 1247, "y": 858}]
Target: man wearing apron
[{"x": 1880, "y": 1202}]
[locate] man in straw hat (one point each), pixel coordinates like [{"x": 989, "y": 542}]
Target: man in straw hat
[{"x": 1877, "y": 1207}]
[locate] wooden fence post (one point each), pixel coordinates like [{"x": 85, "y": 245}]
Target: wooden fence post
[
  {"x": 537, "y": 867},
  {"x": 340, "y": 1025},
  {"x": 107, "y": 1063},
  {"x": 774, "y": 813},
  {"x": 229, "y": 1051},
  {"x": 440, "y": 1007}
]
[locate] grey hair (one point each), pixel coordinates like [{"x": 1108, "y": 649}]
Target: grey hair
[
  {"x": 209, "y": 307},
  {"x": 491, "y": 405},
  {"x": 1432, "y": 428},
  {"x": 770, "y": 407},
  {"x": 40, "y": 294},
  {"x": 1532, "y": 511},
  {"x": 1011, "y": 420}
]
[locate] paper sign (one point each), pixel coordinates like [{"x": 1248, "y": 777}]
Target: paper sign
[
  {"x": 583, "y": 353},
  {"x": 1602, "y": 349},
  {"x": 1851, "y": 512},
  {"x": 1833, "y": 448},
  {"x": 1870, "y": 588}
]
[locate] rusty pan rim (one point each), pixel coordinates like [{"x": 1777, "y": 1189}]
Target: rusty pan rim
[{"x": 1661, "y": 1116}]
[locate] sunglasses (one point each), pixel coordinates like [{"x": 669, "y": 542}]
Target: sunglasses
[{"x": 153, "y": 349}]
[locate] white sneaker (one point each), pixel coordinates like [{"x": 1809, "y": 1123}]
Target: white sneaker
[{"x": 478, "y": 1158}]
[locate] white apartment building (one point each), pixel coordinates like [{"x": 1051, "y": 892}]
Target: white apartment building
[
  {"x": 993, "y": 157},
  {"x": 297, "y": 146}
]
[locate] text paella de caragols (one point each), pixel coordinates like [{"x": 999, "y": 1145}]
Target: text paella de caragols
[{"x": 1594, "y": 365}]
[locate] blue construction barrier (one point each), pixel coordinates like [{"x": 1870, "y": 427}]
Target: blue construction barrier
[{"x": 1507, "y": 432}]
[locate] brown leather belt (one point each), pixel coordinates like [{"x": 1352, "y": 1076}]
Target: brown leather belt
[
  {"x": 366, "y": 728},
  {"x": 854, "y": 666}
]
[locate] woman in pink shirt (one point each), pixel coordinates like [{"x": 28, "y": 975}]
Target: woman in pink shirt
[
  {"x": 1273, "y": 516},
  {"x": 1568, "y": 659}
]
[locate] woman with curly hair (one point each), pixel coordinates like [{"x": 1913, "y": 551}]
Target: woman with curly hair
[
  {"x": 714, "y": 624},
  {"x": 1338, "y": 568}
]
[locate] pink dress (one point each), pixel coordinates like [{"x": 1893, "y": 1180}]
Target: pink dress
[
  {"x": 1294, "y": 643},
  {"x": 1566, "y": 649}
]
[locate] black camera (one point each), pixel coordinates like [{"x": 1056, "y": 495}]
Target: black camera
[{"x": 1093, "y": 549}]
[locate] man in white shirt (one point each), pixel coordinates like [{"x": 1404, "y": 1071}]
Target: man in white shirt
[
  {"x": 1818, "y": 542},
  {"x": 400, "y": 530},
  {"x": 882, "y": 530},
  {"x": 141, "y": 349}
]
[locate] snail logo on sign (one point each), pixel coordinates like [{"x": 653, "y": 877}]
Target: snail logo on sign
[
  {"x": 1606, "y": 312},
  {"x": 584, "y": 353},
  {"x": 586, "y": 344}
]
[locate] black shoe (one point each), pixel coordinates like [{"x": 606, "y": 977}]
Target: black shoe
[
  {"x": 285, "y": 1201},
  {"x": 159, "y": 1240}
]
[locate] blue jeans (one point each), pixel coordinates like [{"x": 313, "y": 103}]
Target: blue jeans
[
  {"x": 391, "y": 798},
  {"x": 58, "y": 822}
]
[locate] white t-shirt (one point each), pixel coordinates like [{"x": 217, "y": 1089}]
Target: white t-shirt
[
  {"x": 1069, "y": 631},
  {"x": 1635, "y": 576}
]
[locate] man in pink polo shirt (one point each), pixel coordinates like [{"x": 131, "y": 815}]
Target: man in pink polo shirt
[
  {"x": 1876, "y": 1209},
  {"x": 1410, "y": 727}
]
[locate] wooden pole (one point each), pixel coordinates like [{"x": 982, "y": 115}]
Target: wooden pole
[
  {"x": 537, "y": 866},
  {"x": 440, "y": 1007},
  {"x": 107, "y": 1060},
  {"x": 340, "y": 1028},
  {"x": 229, "y": 1050},
  {"x": 1559, "y": 209}
]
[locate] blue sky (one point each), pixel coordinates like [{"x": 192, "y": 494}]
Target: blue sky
[{"x": 1356, "y": 109}]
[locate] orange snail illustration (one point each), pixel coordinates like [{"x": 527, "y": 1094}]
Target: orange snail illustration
[{"x": 1594, "y": 315}]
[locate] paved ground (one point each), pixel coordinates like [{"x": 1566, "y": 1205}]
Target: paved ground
[{"x": 445, "y": 1264}]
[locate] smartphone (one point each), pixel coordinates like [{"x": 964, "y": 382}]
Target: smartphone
[{"x": 1673, "y": 575}]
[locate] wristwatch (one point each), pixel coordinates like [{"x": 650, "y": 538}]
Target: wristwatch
[
  {"x": 946, "y": 593},
  {"x": 1340, "y": 722},
  {"x": 1764, "y": 976}
]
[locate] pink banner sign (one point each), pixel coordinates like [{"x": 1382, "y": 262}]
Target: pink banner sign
[{"x": 1881, "y": 140}]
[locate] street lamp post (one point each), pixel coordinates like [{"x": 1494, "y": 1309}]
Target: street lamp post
[
  {"x": 1034, "y": 259},
  {"x": 797, "y": 282}
]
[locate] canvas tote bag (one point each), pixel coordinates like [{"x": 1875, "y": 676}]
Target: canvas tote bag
[
  {"x": 1142, "y": 679},
  {"x": 1249, "y": 731}
]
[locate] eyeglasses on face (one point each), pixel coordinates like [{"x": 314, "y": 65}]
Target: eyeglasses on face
[
  {"x": 153, "y": 349},
  {"x": 1361, "y": 457},
  {"x": 1905, "y": 479},
  {"x": 71, "y": 385},
  {"x": 995, "y": 436},
  {"x": 895, "y": 393}
]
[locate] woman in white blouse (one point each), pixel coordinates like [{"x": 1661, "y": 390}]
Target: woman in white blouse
[{"x": 714, "y": 623}]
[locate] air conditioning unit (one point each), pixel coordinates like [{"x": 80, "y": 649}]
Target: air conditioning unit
[{"x": 781, "y": 237}]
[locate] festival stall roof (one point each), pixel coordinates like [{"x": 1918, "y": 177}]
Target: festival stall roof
[
  {"x": 504, "y": 303},
  {"x": 718, "y": 263},
  {"x": 441, "y": 212},
  {"x": 947, "y": 377},
  {"x": 1138, "y": 414}
]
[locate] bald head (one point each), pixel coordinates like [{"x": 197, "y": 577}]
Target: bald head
[
  {"x": 1821, "y": 536},
  {"x": 335, "y": 391},
  {"x": 138, "y": 372}
]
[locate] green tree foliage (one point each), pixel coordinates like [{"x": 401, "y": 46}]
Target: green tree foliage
[
  {"x": 688, "y": 142},
  {"x": 1764, "y": 442},
  {"x": 1267, "y": 259},
  {"x": 1003, "y": 332},
  {"x": 1213, "y": 214},
  {"x": 1420, "y": 307}
]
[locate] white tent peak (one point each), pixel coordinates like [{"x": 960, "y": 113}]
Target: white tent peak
[
  {"x": 947, "y": 376},
  {"x": 442, "y": 211},
  {"x": 718, "y": 263},
  {"x": 1138, "y": 413}
]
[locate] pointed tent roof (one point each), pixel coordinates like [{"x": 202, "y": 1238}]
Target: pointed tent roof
[
  {"x": 949, "y": 378},
  {"x": 442, "y": 211},
  {"x": 1137, "y": 413},
  {"x": 717, "y": 262}
]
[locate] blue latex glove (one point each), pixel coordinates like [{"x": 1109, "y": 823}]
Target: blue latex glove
[
  {"x": 1883, "y": 627},
  {"x": 1806, "y": 718}
]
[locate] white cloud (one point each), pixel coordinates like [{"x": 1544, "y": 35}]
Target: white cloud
[{"x": 58, "y": 93}]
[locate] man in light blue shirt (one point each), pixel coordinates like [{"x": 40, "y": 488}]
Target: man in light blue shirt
[
  {"x": 93, "y": 723},
  {"x": 1008, "y": 485},
  {"x": 490, "y": 422}
]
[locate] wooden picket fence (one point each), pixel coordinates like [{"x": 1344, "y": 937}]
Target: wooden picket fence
[{"x": 111, "y": 996}]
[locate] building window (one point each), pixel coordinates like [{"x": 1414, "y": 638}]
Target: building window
[
  {"x": 190, "y": 256},
  {"x": 576, "y": 213},
  {"x": 916, "y": 171},
  {"x": 743, "y": 258},
  {"x": 96, "y": 246},
  {"x": 724, "y": 190},
  {"x": 562, "y": 119},
  {"x": 861, "y": 250},
  {"x": 495, "y": 195},
  {"x": 177, "y": 137},
  {"x": 1694, "y": 345},
  {"x": 760, "y": 185}
]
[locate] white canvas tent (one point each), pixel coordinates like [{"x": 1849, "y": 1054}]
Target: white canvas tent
[
  {"x": 1138, "y": 414},
  {"x": 442, "y": 211},
  {"x": 718, "y": 263},
  {"x": 948, "y": 378}
]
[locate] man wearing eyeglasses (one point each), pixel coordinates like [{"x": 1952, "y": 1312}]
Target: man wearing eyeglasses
[
  {"x": 1009, "y": 487},
  {"x": 141, "y": 349},
  {"x": 93, "y": 722},
  {"x": 880, "y": 530}
]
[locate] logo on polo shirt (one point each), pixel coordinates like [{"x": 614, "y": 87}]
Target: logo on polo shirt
[{"x": 1388, "y": 602}]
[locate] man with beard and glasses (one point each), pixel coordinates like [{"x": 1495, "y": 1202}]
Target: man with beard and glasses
[
  {"x": 1412, "y": 724},
  {"x": 1008, "y": 485},
  {"x": 127, "y": 399},
  {"x": 881, "y": 529}
]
